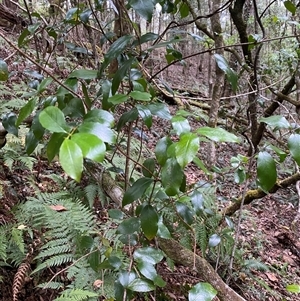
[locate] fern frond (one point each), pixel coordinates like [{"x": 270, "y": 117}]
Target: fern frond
[
  {"x": 51, "y": 285},
  {"x": 76, "y": 295},
  {"x": 201, "y": 237}
]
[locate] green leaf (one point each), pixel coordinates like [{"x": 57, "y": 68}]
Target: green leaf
[
  {"x": 138, "y": 95},
  {"x": 127, "y": 117},
  {"x": 36, "y": 127},
  {"x": 144, "y": 8},
  {"x": 54, "y": 144},
  {"x": 101, "y": 116},
  {"x": 214, "y": 240},
  {"x": 87, "y": 99},
  {"x": 160, "y": 110},
  {"x": 171, "y": 177},
  {"x": 294, "y": 147},
  {"x": 136, "y": 190},
  {"x": 201, "y": 165},
  {"x": 44, "y": 84},
  {"x": 184, "y": 10},
  {"x": 22, "y": 38},
  {"x": 149, "y": 271},
  {"x": 140, "y": 285},
  {"x": 266, "y": 171},
  {"x": 91, "y": 146},
  {"x": 74, "y": 108},
  {"x": 145, "y": 113},
  {"x": 148, "y": 254},
  {"x": 218, "y": 134},
  {"x": 202, "y": 292},
  {"x": 180, "y": 125},
  {"x": 293, "y": 288},
  {"x": 9, "y": 123},
  {"x": 161, "y": 150},
  {"x": 84, "y": 74},
  {"x": 115, "y": 214},
  {"x": 101, "y": 131},
  {"x": 279, "y": 152},
  {"x": 186, "y": 148},
  {"x": 120, "y": 74},
  {"x": 115, "y": 50},
  {"x": 277, "y": 122},
  {"x": 105, "y": 89},
  {"x": 129, "y": 226},
  {"x": 53, "y": 119},
  {"x": 71, "y": 83},
  {"x": 185, "y": 212},
  {"x": 239, "y": 176},
  {"x": 148, "y": 167},
  {"x": 26, "y": 110},
  {"x": 290, "y": 6},
  {"x": 3, "y": 71},
  {"x": 31, "y": 142},
  {"x": 149, "y": 220},
  {"x": 117, "y": 99},
  {"x": 230, "y": 74},
  {"x": 163, "y": 231},
  {"x": 197, "y": 201},
  {"x": 71, "y": 159}
]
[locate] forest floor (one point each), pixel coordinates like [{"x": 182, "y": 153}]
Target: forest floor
[{"x": 264, "y": 235}]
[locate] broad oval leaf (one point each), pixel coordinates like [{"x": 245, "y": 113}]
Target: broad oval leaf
[
  {"x": 294, "y": 147},
  {"x": 180, "y": 125},
  {"x": 266, "y": 171},
  {"x": 185, "y": 212},
  {"x": 71, "y": 159},
  {"x": 144, "y": 8},
  {"x": 141, "y": 285},
  {"x": 293, "y": 288},
  {"x": 148, "y": 254},
  {"x": 101, "y": 116},
  {"x": 84, "y": 74},
  {"x": 100, "y": 130},
  {"x": 26, "y": 110},
  {"x": 149, "y": 221},
  {"x": 3, "y": 71},
  {"x": 53, "y": 119},
  {"x": 138, "y": 95},
  {"x": 91, "y": 146},
  {"x": 161, "y": 150},
  {"x": 202, "y": 292},
  {"x": 218, "y": 134},
  {"x": 277, "y": 122},
  {"x": 290, "y": 6},
  {"x": 149, "y": 271},
  {"x": 186, "y": 148},
  {"x": 148, "y": 167},
  {"x": 214, "y": 240},
  {"x": 129, "y": 226},
  {"x": 136, "y": 190},
  {"x": 171, "y": 177},
  {"x": 54, "y": 144},
  {"x": 9, "y": 123}
]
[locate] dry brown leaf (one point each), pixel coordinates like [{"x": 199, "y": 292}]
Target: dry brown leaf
[{"x": 58, "y": 208}]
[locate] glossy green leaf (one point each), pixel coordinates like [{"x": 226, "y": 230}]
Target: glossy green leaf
[
  {"x": 120, "y": 74},
  {"x": 184, "y": 10},
  {"x": 266, "y": 171},
  {"x": 218, "y": 134},
  {"x": 230, "y": 73},
  {"x": 163, "y": 231},
  {"x": 214, "y": 240},
  {"x": 185, "y": 212},
  {"x": 294, "y": 147},
  {"x": 149, "y": 221},
  {"x": 127, "y": 117},
  {"x": 290, "y": 6},
  {"x": 148, "y": 167},
  {"x": 161, "y": 150},
  {"x": 180, "y": 125},
  {"x": 129, "y": 226},
  {"x": 101, "y": 116},
  {"x": 239, "y": 176},
  {"x": 160, "y": 110},
  {"x": 22, "y": 38},
  {"x": 197, "y": 201},
  {"x": 146, "y": 115},
  {"x": 36, "y": 127},
  {"x": 71, "y": 159},
  {"x": 115, "y": 50},
  {"x": 9, "y": 122},
  {"x": 279, "y": 152},
  {"x": 202, "y": 292},
  {"x": 105, "y": 89},
  {"x": 149, "y": 271},
  {"x": 136, "y": 190},
  {"x": 53, "y": 119},
  {"x": 139, "y": 95},
  {"x": 201, "y": 165},
  {"x": 186, "y": 148},
  {"x": 118, "y": 98},
  {"x": 85, "y": 15},
  {"x": 171, "y": 177},
  {"x": 115, "y": 213},
  {"x": 148, "y": 254},
  {"x": 126, "y": 277},
  {"x": 101, "y": 131},
  {"x": 54, "y": 144},
  {"x": 91, "y": 146},
  {"x": 147, "y": 37},
  {"x": 3, "y": 71},
  {"x": 74, "y": 108},
  {"x": 141, "y": 285},
  {"x": 144, "y": 8},
  {"x": 31, "y": 142},
  {"x": 277, "y": 122},
  {"x": 293, "y": 288},
  {"x": 44, "y": 84},
  {"x": 87, "y": 99}
]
